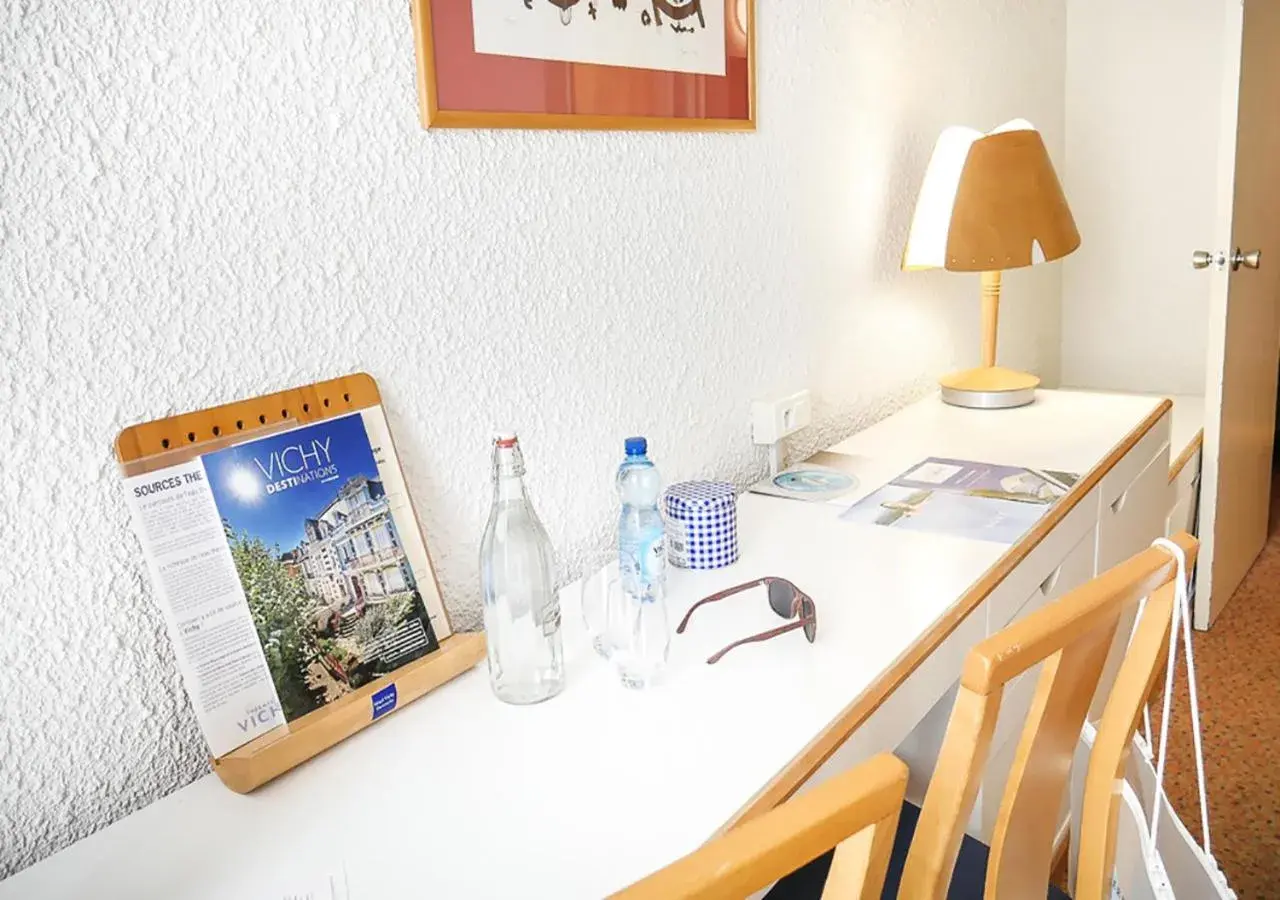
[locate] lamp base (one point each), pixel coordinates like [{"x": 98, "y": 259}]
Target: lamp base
[{"x": 988, "y": 387}]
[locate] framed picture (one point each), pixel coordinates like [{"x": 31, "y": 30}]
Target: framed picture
[{"x": 657, "y": 65}]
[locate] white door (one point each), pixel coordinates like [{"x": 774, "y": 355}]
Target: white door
[{"x": 1244, "y": 322}]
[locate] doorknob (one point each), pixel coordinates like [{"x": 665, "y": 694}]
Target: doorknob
[
  {"x": 1203, "y": 259},
  {"x": 1250, "y": 260}
]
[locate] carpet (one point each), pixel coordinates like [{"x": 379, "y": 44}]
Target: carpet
[{"x": 1238, "y": 679}]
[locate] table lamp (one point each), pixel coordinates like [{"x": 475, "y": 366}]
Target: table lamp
[{"x": 989, "y": 202}]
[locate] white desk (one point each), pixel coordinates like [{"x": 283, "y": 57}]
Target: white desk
[
  {"x": 458, "y": 795},
  {"x": 1186, "y": 427},
  {"x": 1186, "y": 452}
]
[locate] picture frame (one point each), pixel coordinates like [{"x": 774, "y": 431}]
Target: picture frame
[{"x": 544, "y": 64}]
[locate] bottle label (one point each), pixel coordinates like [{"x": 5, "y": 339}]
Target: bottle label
[
  {"x": 643, "y": 561},
  {"x": 654, "y": 564},
  {"x": 677, "y": 543}
]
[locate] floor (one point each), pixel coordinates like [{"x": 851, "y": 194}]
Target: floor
[{"x": 1238, "y": 677}]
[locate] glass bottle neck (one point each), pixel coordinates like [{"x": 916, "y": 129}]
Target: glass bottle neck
[{"x": 508, "y": 474}]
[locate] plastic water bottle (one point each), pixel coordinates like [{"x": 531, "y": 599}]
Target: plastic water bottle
[
  {"x": 641, "y": 636},
  {"x": 517, "y": 578}
]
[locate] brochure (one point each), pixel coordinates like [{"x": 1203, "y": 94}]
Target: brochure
[
  {"x": 963, "y": 498},
  {"x": 290, "y": 570}
]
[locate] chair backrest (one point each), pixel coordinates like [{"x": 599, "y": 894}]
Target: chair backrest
[
  {"x": 856, "y": 812},
  {"x": 1071, "y": 637}
]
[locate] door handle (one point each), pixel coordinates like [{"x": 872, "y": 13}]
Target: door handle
[
  {"x": 1047, "y": 586},
  {"x": 1203, "y": 259},
  {"x": 1250, "y": 260}
]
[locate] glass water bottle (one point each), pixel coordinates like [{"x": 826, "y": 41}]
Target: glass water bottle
[{"x": 517, "y": 578}]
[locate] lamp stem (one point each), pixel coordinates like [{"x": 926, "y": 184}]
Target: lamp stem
[{"x": 990, "y": 316}]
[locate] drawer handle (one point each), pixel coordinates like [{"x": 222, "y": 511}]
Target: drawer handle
[
  {"x": 1118, "y": 503},
  {"x": 1047, "y": 586}
]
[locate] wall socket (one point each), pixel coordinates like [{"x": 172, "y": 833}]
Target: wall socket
[{"x": 772, "y": 420}]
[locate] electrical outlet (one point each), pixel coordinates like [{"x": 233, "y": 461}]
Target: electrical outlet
[{"x": 772, "y": 420}]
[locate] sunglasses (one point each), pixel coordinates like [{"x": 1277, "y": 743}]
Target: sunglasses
[{"x": 785, "y": 599}]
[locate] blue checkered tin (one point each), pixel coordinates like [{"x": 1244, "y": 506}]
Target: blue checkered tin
[{"x": 702, "y": 524}]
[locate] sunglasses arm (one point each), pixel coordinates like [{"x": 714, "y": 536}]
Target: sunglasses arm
[
  {"x": 762, "y": 636},
  {"x": 719, "y": 595}
]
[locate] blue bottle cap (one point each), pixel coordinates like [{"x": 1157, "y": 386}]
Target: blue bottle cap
[{"x": 636, "y": 446}]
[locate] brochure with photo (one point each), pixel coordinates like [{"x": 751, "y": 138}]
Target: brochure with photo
[
  {"x": 291, "y": 571},
  {"x": 963, "y": 498}
]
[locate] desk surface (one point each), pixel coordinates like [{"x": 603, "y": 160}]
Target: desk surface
[
  {"x": 1187, "y": 425},
  {"x": 460, "y": 795}
]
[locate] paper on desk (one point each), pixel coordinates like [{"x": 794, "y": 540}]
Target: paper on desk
[
  {"x": 963, "y": 498},
  {"x": 309, "y": 885}
]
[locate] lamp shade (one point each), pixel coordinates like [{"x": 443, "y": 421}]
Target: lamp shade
[{"x": 990, "y": 202}]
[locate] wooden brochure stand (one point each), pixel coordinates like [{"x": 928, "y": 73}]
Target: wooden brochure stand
[{"x": 166, "y": 442}]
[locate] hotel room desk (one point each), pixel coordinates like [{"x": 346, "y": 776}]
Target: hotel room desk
[
  {"x": 1186, "y": 449},
  {"x": 458, "y": 795}
]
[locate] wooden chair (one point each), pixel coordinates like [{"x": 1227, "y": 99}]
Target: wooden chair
[
  {"x": 856, "y": 813},
  {"x": 1071, "y": 637}
]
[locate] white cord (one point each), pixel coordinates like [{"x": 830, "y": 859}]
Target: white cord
[
  {"x": 775, "y": 459},
  {"x": 1168, "y": 695},
  {"x": 1144, "y": 740},
  {"x": 1181, "y": 612},
  {"x": 1195, "y": 709}
]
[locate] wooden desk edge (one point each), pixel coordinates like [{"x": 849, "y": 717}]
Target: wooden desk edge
[
  {"x": 1185, "y": 456},
  {"x": 820, "y": 749}
]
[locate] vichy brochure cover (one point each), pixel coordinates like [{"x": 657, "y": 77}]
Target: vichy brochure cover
[
  {"x": 321, "y": 560},
  {"x": 290, "y": 570}
]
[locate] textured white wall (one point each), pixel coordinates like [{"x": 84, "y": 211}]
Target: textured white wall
[
  {"x": 200, "y": 202},
  {"x": 1141, "y": 177}
]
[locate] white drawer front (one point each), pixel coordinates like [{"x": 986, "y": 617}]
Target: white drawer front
[
  {"x": 898, "y": 720},
  {"x": 1188, "y": 478},
  {"x": 1181, "y": 517},
  {"x": 920, "y": 749},
  {"x": 1074, "y": 571},
  {"x": 1036, "y": 574},
  {"x": 1186, "y": 493},
  {"x": 1127, "y": 470},
  {"x": 1135, "y": 514},
  {"x": 1128, "y": 526},
  {"x": 1061, "y": 561}
]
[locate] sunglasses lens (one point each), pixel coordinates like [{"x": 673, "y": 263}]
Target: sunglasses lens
[
  {"x": 810, "y": 614},
  {"x": 780, "y": 597}
]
